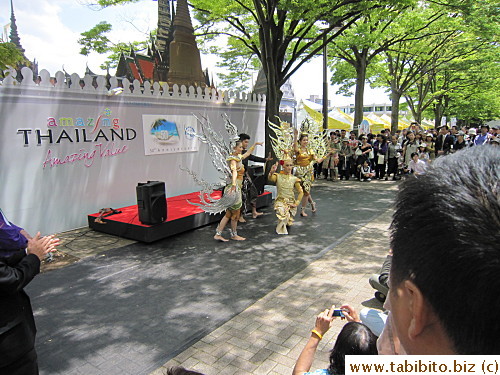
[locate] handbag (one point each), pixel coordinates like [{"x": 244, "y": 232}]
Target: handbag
[
  {"x": 358, "y": 152},
  {"x": 381, "y": 159}
]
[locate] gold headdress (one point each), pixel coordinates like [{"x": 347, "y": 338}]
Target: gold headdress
[
  {"x": 317, "y": 137},
  {"x": 282, "y": 143}
]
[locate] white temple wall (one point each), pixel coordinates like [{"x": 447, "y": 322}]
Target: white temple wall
[{"x": 51, "y": 184}]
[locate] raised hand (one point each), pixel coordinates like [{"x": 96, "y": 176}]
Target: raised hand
[{"x": 41, "y": 246}]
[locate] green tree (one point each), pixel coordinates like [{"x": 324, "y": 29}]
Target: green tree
[
  {"x": 281, "y": 34},
  {"x": 411, "y": 60},
  {"x": 469, "y": 70},
  {"x": 96, "y": 40},
  {"x": 10, "y": 56},
  {"x": 353, "y": 52},
  {"x": 411, "y": 68}
]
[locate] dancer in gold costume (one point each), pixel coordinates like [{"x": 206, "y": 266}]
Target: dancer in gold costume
[
  {"x": 304, "y": 160},
  {"x": 227, "y": 159},
  {"x": 285, "y": 204},
  {"x": 237, "y": 171}
]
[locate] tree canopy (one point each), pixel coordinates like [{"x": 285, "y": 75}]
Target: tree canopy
[
  {"x": 392, "y": 39},
  {"x": 10, "y": 56}
]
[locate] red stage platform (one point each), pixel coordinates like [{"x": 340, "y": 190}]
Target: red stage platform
[{"x": 181, "y": 216}]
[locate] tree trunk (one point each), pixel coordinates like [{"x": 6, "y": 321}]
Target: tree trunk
[
  {"x": 360, "y": 90},
  {"x": 273, "y": 99},
  {"x": 438, "y": 113},
  {"x": 418, "y": 116},
  {"x": 395, "y": 98}
]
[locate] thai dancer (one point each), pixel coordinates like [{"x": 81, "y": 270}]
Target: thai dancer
[
  {"x": 227, "y": 159},
  {"x": 237, "y": 172},
  {"x": 285, "y": 203},
  {"x": 307, "y": 147}
]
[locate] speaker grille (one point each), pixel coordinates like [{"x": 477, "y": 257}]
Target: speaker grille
[{"x": 151, "y": 202}]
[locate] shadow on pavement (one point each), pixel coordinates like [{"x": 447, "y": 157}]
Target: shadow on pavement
[{"x": 131, "y": 309}]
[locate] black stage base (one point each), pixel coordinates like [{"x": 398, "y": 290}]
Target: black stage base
[{"x": 122, "y": 225}]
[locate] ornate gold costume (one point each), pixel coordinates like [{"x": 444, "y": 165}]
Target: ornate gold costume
[
  {"x": 286, "y": 185},
  {"x": 240, "y": 170},
  {"x": 304, "y": 168}
]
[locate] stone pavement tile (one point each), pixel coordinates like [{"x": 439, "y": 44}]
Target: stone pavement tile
[
  {"x": 239, "y": 341},
  {"x": 287, "y": 332},
  {"x": 278, "y": 348},
  {"x": 225, "y": 360},
  {"x": 204, "y": 357},
  {"x": 244, "y": 365},
  {"x": 265, "y": 368},
  {"x": 230, "y": 370},
  {"x": 261, "y": 355},
  {"x": 190, "y": 362},
  {"x": 281, "y": 370},
  {"x": 205, "y": 369},
  {"x": 268, "y": 336},
  {"x": 284, "y": 360},
  {"x": 292, "y": 341}
]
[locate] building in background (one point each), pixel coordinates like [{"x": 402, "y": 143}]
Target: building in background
[
  {"x": 379, "y": 109},
  {"x": 318, "y": 100},
  {"x": 173, "y": 56},
  {"x": 16, "y": 40}
]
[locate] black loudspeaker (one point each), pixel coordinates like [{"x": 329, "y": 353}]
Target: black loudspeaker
[
  {"x": 256, "y": 173},
  {"x": 151, "y": 202},
  {"x": 255, "y": 170}
]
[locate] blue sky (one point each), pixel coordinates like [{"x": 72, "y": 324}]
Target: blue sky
[{"x": 49, "y": 30}]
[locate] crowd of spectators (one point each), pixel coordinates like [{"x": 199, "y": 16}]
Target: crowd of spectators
[{"x": 408, "y": 151}]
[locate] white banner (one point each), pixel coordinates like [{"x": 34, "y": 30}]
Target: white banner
[{"x": 66, "y": 152}]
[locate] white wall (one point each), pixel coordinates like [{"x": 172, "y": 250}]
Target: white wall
[{"x": 58, "y": 198}]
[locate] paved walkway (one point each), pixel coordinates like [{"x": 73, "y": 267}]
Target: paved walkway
[
  {"x": 126, "y": 308},
  {"x": 268, "y": 337}
]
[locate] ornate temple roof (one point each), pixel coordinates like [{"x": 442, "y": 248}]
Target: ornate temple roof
[{"x": 172, "y": 56}]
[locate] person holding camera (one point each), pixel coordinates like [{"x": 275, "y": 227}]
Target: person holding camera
[{"x": 354, "y": 339}]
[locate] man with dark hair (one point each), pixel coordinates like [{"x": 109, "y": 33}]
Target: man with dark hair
[
  {"x": 445, "y": 238},
  {"x": 444, "y": 141},
  {"x": 250, "y": 192}
]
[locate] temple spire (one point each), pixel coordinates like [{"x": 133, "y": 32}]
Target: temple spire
[
  {"x": 14, "y": 36},
  {"x": 185, "y": 61},
  {"x": 164, "y": 25}
]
